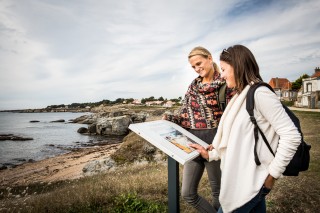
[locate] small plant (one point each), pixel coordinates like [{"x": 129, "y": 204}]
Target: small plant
[
  {"x": 126, "y": 203},
  {"x": 288, "y": 103}
]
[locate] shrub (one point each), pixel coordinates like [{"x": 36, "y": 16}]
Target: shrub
[{"x": 126, "y": 203}]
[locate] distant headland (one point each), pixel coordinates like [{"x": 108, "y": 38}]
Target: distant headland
[{"x": 87, "y": 107}]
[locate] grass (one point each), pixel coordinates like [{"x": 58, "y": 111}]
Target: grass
[
  {"x": 144, "y": 188},
  {"x": 301, "y": 194}
]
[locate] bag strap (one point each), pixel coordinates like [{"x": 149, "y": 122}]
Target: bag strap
[
  {"x": 222, "y": 96},
  {"x": 250, "y": 108}
]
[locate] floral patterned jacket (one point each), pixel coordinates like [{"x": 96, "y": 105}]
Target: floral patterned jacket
[{"x": 200, "y": 108}]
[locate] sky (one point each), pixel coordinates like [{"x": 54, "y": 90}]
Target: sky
[{"x": 77, "y": 51}]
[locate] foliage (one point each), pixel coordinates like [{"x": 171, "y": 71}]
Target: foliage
[
  {"x": 177, "y": 100},
  {"x": 108, "y": 102},
  {"x": 296, "y": 85},
  {"x": 133, "y": 148},
  {"x": 127, "y": 203},
  {"x": 288, "y": 103},
  {"x": 144, "y": 100}
]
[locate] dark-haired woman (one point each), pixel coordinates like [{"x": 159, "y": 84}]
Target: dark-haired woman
[{"x": 244, "y": 185}]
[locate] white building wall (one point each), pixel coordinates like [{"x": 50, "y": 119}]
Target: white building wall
[
  {"x": 317, "y": 84},
  {"x": 304, "y": 101}
]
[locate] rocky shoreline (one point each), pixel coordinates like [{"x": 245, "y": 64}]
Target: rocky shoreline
[
  {"x": 47, "y": 110},
  {"x": 61, "y": 167},
  {"x": 104, "y": 122}
]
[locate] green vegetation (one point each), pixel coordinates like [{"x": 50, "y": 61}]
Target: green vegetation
[
  {"x": 301, "y": 194},
  {"x": 296, "y": 85},
  {"x": 144, "y": 188},
  {"x": 288, "y": 103},
  {"x": 127, "y": 203},
  {"x": 109, "y": 103}
]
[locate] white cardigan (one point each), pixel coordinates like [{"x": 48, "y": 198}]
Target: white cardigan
[{"x": 234, "y": 144}]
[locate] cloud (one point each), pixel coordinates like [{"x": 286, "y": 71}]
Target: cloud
[{"x": 54, "y": 52}]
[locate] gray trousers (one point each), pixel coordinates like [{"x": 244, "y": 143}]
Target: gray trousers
[{"x": 192, "y": 173}]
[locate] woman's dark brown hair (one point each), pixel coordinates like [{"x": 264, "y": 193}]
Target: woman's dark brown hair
[{"x": 246, "y": 69}]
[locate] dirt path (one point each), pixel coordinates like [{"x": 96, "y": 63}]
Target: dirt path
[{"x": 62, "y": 167}]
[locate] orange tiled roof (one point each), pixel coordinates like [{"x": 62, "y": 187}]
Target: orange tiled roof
[
  {"x": 282, "y": 83},
  {"x": 316, "y": 74}
]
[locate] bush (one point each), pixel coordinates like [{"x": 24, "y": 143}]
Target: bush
[
  {"x": 288, "y": 103},
  {"x": 127, "y": 203}
]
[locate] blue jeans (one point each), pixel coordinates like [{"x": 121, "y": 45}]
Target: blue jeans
[
  {"x": 192, "y": 173},
  {"x": 255, "y": 205}
]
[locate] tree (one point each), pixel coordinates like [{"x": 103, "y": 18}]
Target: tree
[
  {"x": 161, "y": 99},
  {"x": 129, "y": 100},
  {"x": 119, "y": 100},
  {"x": 297, "y": 84},
  {"x": 151, "y": 98}
]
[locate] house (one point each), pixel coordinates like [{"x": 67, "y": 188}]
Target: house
[
  {"x": 309, "y": 94},
  {"x": 136, "y": 101},
  {"x": 283, "y": 89},
  {"x": 151, "y": 103},
  {"x": 168, "y": 104}
]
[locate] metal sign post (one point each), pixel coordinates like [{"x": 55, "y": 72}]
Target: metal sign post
[{"x": 173, "y": 186}]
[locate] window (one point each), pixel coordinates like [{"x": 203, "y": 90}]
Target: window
[{"x": 309, "y": 87}]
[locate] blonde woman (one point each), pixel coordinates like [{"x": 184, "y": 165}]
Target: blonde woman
[{"x": 200, "y": 114}]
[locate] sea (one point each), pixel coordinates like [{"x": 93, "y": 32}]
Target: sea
[{"x": 49, "y": 138}]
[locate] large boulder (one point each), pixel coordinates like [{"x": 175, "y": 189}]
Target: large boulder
[
  {"x": 139, "y": 117},
  {"x": 134, "y": 148},
  {"x": 98, "y": 166},
  {"x": 82, "y": 130},
  {"x": 115, "y": 114},
  {"x": 113, "y": 125},
  {"x": 92, "y": 128},
  {"x": 85, "y": 119}
]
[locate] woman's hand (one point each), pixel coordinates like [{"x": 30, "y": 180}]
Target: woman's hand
[
  {"x": 203, "y": 152},
  {"x": 210, "y": 147},
  {"x": 164, "y": 117},
  {"x": 269, "y": 182}
]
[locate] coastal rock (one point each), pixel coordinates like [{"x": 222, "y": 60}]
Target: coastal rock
[
  {"x": 58, "y": 121},
  {"x": 92, "y": 129},
  {"x": 82, "y": 130},
  {"x": 136, "y": 149},
  {"x": 139, "y": 117},
  {"x": 85, "y": 119},
  {"x": 2, "y": 167},
  {"x": 96, "y": 167},
  {"x": 19, "y": 159},
  {"x": 115, "y": 121},
  {"x": 113, "y": 126},
  {"x": 31, "y": 161},
  {"x": 11, "y": 137},
  {"x": 115, "y": 114},
  {"x": 148, "y": 148}
]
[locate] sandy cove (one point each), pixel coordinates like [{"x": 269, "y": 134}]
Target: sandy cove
[{"x": 62, "y": 167}]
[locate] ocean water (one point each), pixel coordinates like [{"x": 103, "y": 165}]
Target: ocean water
[{"x": 49, "y": 139}]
